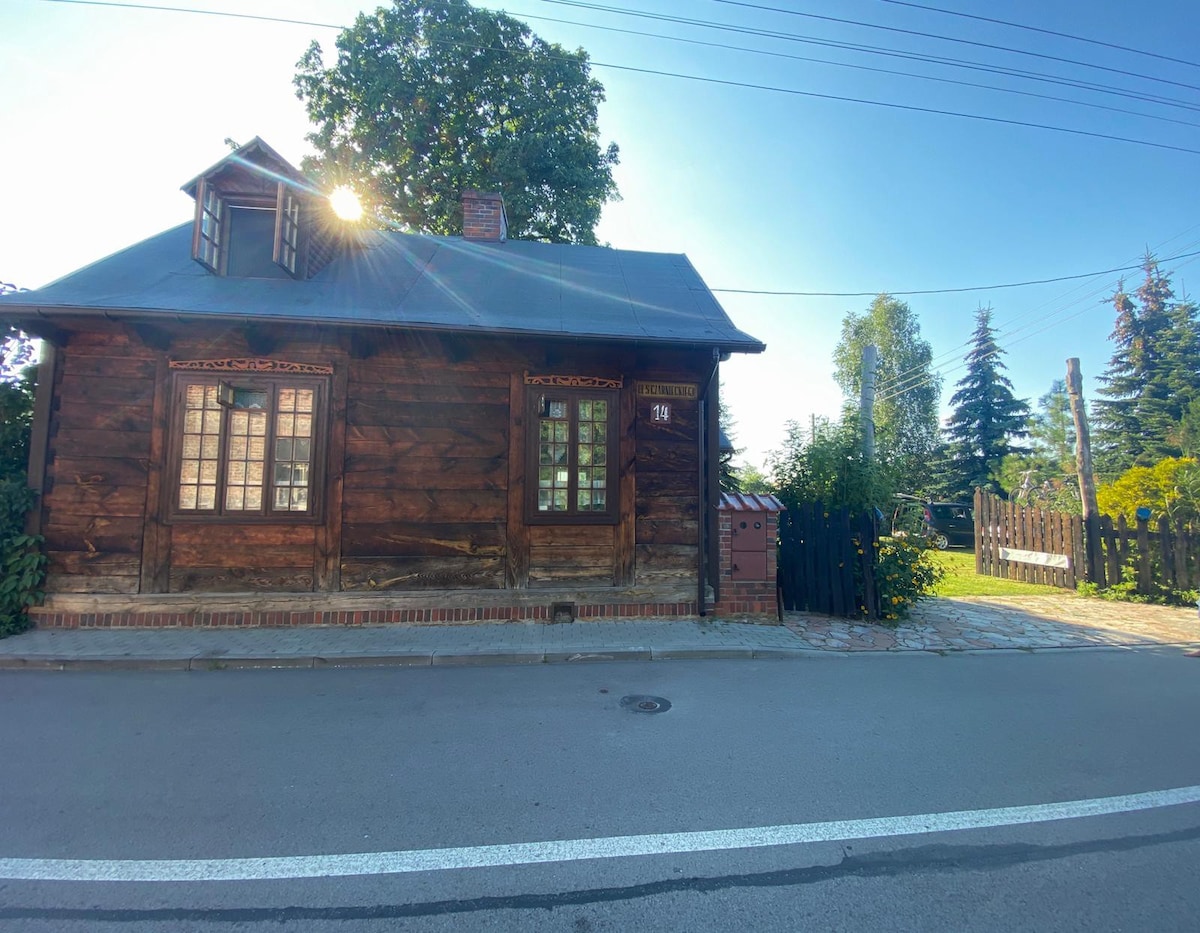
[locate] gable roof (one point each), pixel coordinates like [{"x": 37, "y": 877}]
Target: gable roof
[{"x": 412, "y": 280}]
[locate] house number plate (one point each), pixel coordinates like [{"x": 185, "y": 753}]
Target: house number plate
[{"x": 660, "y": 413}]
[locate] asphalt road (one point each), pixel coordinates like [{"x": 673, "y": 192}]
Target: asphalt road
[{"x": 257, "y": 764}]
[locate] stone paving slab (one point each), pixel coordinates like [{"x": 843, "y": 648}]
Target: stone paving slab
[
  {"x": 960, "y": 624},
  {"x": 1008, "y": 622}
]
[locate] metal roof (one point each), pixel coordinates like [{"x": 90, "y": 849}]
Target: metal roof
[
  {"x": 412, "y": 280},
  {"x": 746, "y": 502}
]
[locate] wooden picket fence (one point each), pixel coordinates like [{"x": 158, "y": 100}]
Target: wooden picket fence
[
  {"x": 1039, "y": 546},
  {"x": 1025, "y": 543},
  {"x": 1161, "y": 556},
  {"x": 826, "y": 561}
]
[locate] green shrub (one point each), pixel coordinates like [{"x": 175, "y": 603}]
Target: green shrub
[
  {"x": 905, "y": 573},
  {"x": 22, "y": 565}
]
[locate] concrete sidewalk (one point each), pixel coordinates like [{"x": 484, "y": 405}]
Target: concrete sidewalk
[{"x": 939, "y": 625}]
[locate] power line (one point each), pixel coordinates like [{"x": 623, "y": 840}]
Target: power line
[
  {"x": 1045, "y": 32},
  {"x": 931, "y": 35},
  {"x": 796, "y": 92},
  {"x": 887, "y": 71},
  {"x": 875, "y": 50},
  {"x": 943, "y": 291}
]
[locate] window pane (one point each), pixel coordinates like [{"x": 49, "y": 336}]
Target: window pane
[
  {"x": 303, "y": 426},
  {"x": 208, "y": 472},
  {"x": 304, "y": 399},
  {"x": 207, "y": 498},
  {"x": 560, "y": 500},
  {"x": 287, "y": 400},
  {"x": 283, "y": 474},
  {"x": 585, "y": 410},
  {"x": 562, "y": 432},
  {"x": 187, "y": 497},
  {"x": 585, "y": 478},
  {"x": 239, "y": 423},
  {"x": 585, "y": 432},
  {"x": 250, "y": 398},
  {"x": 600, "y": 410},
  {"x": 299, "y": 500},
  {"x": 258, "y": 425},
  {"x": 283, "y": 497},
  {"x": 585, "y": 454},
  {"x": 209, "y": 447},
  {"x": 283, "y": 448},
  {"x": 237, "y": 472},
  {"x": 254, "y": 473},
  {"x": 189, "y": 472},
  {"x": 599, "y": 455},
  {"x": 585, "y": 499},
  {"x": 193, "y": 422},
  {"x": 212, "y": 422},
  {"x": 257, "y": 449},
  {"x": 303, "y": 449},
  {"x": 237, "y": 448},
  {"x": 254, "y": 498},
  {"x": 285, "y": 426},
  {"x": 556, "y": 409},
  {"x": 545, "y": 476},
  {"x": 235, "y": 498}
]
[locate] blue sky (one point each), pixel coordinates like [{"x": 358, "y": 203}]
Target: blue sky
[{"x": 107, "y": 111}]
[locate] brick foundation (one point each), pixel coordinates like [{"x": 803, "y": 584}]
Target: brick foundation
[{"x": 50, "y": 617}]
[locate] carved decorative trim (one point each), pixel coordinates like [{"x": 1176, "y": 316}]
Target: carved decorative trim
[
  {"x": 252, "y": 366},
  {"x": 574, "y": 382}
]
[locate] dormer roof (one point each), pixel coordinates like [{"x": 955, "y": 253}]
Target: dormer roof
[{"x": 253, "y": 161}]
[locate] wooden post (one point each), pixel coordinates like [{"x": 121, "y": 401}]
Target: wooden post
[
  {"x": 1083, "y": 464},
  {"x": 39, "y": 435},
  {"x": 867, "y": 401}
]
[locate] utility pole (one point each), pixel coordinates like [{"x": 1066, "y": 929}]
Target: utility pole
[
  {"x": 1083, "y": 463},
  {"x": 867, "y": 401}
]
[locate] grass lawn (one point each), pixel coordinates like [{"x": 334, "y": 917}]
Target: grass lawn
[{"x": 962, "y": 580}]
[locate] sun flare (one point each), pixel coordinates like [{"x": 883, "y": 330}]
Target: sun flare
[{"x": 345, "y": 203}]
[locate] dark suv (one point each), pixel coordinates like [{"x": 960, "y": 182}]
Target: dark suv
[{"x": 942, "y": 523}]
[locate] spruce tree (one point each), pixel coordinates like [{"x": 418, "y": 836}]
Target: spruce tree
[
  {"x": 1152, "y": 377},
  {"x": 987, "y": 416}
]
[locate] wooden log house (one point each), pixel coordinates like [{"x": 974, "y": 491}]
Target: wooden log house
[{"x": 267, "y": 417}]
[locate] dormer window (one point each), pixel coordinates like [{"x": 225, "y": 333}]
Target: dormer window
[{"x": 253, "y": 216}]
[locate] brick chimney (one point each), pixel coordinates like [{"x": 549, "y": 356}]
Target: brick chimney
[{"x": 483, "y": 216}]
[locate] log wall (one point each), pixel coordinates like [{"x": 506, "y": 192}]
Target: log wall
[{"x": 420, "y": 476}]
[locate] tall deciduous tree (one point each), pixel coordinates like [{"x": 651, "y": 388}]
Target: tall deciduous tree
[
  {"x": 1152, "y": 377},
  {"x": 432, "y": 97},
  {"x": 987, "y": 417},
  {"x": 16, "y": 346},
  {"x": 906, "y": 402}
]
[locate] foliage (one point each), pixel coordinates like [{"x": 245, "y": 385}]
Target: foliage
[
  {"x": 1152, "y": 378},
  {"x": 728, "y": 476},
  {"x": 16, "y": 416},
  {"x": 16, "y": 346},
  {"x": 1052, "y": 430},
  {"x": 753, "y": 481},
  {"x": 826, "y": 465},
  {"x": 905, "y": 573},
  {"x": 906, "y": 402},
  {"x": 1127, "y": 590},
  {"x": 22, "y": 566},
  {"x": 1170, "y": 487},
  {"x": 986, "y": 418},
  {"x": 426, "y": 100},
  {"x": 21, "y": 563}
]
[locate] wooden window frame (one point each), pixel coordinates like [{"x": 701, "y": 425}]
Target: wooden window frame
[
  {"x": 267, "y": 514},
  {"x": 573, "y": 516},
  {"x": 210, "y": 234},
  {"x": 289, "y": 252}
]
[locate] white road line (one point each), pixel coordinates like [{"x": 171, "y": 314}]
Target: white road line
[{"x": 570, "y": 850}]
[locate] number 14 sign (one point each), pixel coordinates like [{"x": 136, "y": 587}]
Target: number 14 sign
[{"x": 660, "y": 413}]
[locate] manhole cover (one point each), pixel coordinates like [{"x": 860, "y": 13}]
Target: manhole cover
[{"x": 645, "y": 704}]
